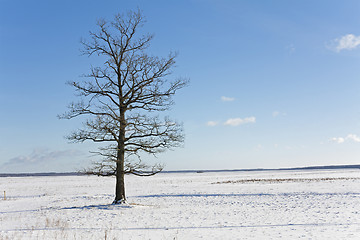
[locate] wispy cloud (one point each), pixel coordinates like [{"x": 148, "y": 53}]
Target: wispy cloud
[
  {"x": 337, "y": 139},
  {"x": 277, "y": 113},
  {"x": 353, "y": 137},
  {"x": 232, "y": 122},
  {"x": 227, "y": 99},
  {"x": 290, "y": 48},
  {"x": 39, "y": 156},
  {"x": 259, "y": 147},
  {"x": 239, "y": 121},
  {"x": 347, "y": 42},
  {"x": 349, "y": 137},
  {"x": 212, "y": 123}
]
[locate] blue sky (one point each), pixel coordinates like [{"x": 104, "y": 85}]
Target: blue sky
[{"x": 273, "y": 83}]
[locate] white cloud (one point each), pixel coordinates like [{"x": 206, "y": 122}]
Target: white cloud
[
  {"x": 239, "y": 121},
  {"x": 353, "y": 137},
  {"x": 227, "y": 99},
  {"x": 349, "y": 137},
  {"x": 348, "y": 42},
  {"x": 337, "y": 139},
  {"x": 211, "y": 123}
]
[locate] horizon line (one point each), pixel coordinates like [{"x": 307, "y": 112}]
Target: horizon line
[{"x": 74, "y": 173}]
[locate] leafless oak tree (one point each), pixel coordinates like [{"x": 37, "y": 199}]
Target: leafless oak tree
[{"x": 120, "y": 99}]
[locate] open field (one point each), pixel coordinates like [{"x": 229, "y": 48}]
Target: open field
[{"x": 313, "y": 204}]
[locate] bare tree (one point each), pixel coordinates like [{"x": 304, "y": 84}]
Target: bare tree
[{"x": 120, "y": 99}]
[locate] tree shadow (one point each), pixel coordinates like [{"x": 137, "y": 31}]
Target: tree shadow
[
  {"x": 99, "y": 207},
  {"x": 246, "y": 195},
  {"x": 202, "y": 195}
]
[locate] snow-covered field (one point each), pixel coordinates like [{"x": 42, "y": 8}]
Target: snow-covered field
[{"x": 282, "y": 204}]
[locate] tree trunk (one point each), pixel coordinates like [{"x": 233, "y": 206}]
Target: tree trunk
[
  {"x": 120, "y": 173},
  {"x": 120, "y": 183}
]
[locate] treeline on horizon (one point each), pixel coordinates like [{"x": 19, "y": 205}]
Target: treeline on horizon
[{"x": 189, "y": 171}]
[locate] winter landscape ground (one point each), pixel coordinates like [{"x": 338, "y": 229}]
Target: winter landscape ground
[{"x": 303, "y": 204}]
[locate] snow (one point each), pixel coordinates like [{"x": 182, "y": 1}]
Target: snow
[{"x": 315, "y": 204}]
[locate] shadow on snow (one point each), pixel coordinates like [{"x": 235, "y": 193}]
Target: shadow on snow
[{"x": 246, "y": 195}]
